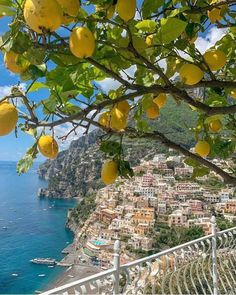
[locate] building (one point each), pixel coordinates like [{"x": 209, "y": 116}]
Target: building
[
  {"x": 211, "y": 198},
  {"x": 230, "y": 206},
  {"x": 144, "y": 216},
  {"x": 107, "y": 215},
  {"x": 177, "y": 218},
  {"x": 196, "y": 205},
  {"x": 186, "y": 171},
  {"x": 224, "y": 196},
  {"x": 161, "y": 207}
]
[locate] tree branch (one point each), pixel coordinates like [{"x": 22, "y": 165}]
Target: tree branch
[{"x": 160, "y": 137}]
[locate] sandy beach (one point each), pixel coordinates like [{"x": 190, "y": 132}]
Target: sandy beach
[{"x": 72, "y": 274}]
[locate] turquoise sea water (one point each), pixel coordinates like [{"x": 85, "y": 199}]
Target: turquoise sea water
[{"x": 29, "y": 228}]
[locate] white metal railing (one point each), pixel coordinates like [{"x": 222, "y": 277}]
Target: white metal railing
[{"x": 203, "y": 266}]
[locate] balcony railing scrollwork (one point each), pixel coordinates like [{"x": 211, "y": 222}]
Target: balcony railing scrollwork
[{"x": 203, "y": 266}]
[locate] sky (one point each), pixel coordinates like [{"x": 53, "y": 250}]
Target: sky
[{"x": 12, "y": 148}]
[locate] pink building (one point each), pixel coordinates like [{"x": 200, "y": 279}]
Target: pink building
[{"x": 195, "y": 205}]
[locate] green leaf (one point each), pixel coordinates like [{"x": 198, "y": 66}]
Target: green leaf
[
  {"x": 148, "y": 26},
  {"x": 36, "y": 86},
  {"x": 35, "y": 56},
  {"x": 171, "y": 29},
  {"x": 27, "y": 161},
  {"x": 21, "y": 43},
  {"x": 191, "y": 162},
  {"x": 5, "y": 10},
  {"x": 110, "y": 147},
  {"x": 124, "y": 169},
  {"x": 200, "y": 171},
  {"x": 151, "y": 6}
]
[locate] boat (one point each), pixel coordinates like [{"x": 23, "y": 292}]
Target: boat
[
  {"x": 42, "y": 275},
  {"x": 51, "y": 266},
  {"x": 15, "y": 274},
  {"x": 47, "y": 261},
  {"x": 4, "y": 227}
]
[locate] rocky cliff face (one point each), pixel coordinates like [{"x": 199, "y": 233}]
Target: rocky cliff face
[{"x": 76, "y": 171}]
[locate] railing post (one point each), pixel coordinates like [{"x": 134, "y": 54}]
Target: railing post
[
  {"x": 116, "y": 263},
  {"x": 214, "y": 256}
]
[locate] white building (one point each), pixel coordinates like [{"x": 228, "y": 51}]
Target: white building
[{"x": 224, "y": 196}]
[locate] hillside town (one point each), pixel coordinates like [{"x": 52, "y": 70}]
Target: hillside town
[{"x": 162, "y": 192}]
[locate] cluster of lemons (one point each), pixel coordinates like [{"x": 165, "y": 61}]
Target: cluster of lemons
[
  {"x": 116, "y": 119},
  {"x": 191, "y": 74},
  {"x": 43, "y": 16}
]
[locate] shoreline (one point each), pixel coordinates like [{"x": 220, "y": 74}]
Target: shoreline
[{"x": 73, "y": 273}]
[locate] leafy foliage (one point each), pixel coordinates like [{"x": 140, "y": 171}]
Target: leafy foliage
[{"x": 143, "y": 55}]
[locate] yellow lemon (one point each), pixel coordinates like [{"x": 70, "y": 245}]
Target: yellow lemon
[
  {"x": 126, "y": 9},
  {"x": 48, "y": 146},
  {"x": 160, "y": 100},
  {"x": 82, "y": 42},
  {"x": 153, "y": 111},
  {"x": 215, "y": 125},
  {"x": 124, "y": 107},
  {"x": 190, "y": 74},
  {"x": 233, "y": 93},
  {"x": 202, "y": 148},
  {"x": 216, "y": 59},
  {"x": 43, "y": 15},
  {"x": 11, "y": 63},
  {"x": 214, "y": 15},
  {"x": 118, "y": 119},
  {"x": 149, "y": 40},
  {"x": 109, "y": 172},
  {"x": 70, "y": 8},
  {"x": 104, "y": 119},
  {"x": 8, "y": 118}
]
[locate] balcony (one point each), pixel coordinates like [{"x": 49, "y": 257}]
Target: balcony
[{"x": 203, "y": 266}]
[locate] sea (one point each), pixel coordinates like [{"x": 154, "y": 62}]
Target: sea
[{"x": 29, "y": 227}]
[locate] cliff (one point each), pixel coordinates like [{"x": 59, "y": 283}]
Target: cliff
[{"x": 76, "y": 171}]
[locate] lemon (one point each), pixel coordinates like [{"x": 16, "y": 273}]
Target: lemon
[
  {"x": 104, "y": 119},
  {"x": 160, "y": 100},
  {"x": 8, "y": 118},
  {"x": 109, "y": 172},
  {"x": 216, "y": 59},
  {"x": 215, "y": 125},
  {"x": 70, "y": 8},
  {"x": 214, "y": 15},
  {"x": 11, "y": 62},
  {"x": 202, "y": 148},
  {"x": 118, "y": 120},
  {"x": 149, "y": 40},
  {"x": 124, "y": 107},
  {"x": 48, "y": 146},
  {"x": 43, "y": 15},
  {"x": 233, "y": 93},
  {"x": 82, "y": 42},
  {"x": 190, "y": 74},
  {"x": 153, "y": 111},
  {"x": 126, "y": 9}
]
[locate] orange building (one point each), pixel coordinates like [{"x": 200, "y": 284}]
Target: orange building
[{"x": 107, "y": 215}]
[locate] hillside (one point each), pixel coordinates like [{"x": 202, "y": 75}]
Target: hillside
[{"x": 76, "y": 171}]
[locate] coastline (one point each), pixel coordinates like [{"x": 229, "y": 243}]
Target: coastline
[
  {"x": 74, "y": 269},
  {"x": 71, "y": 274}
]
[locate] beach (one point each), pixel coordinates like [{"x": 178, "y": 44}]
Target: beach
[
  {"x": 75, "y": 269},
  {"x": 72, "y": 274}
]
